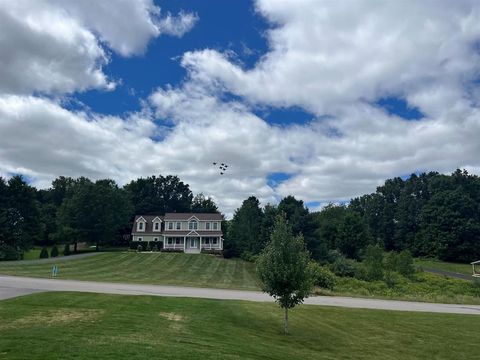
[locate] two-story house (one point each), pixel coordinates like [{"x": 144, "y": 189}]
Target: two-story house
[{"x": 188, "y": 232}]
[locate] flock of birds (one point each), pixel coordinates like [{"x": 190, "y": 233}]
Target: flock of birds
[{"x": 222, "y": 167}]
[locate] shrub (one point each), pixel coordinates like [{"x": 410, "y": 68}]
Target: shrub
[
  {"x": 323, "y": 277},
  {"x": 66, "y": 250},
  {"x": 148, "y": 248},
  {"x": 54, "y": 251},
  {"x": 373, "y": 263},
  {"x": 155, "y": 248},
  {"x": 405, "y": 263},
  {"x": 248, "y": 256},
  {"x": 139, "y": 248},
  {"x": 44, "y": 253},
  {"x": 344, "y": 267},
  {"x": 392, "y": 278},
  {"x": 391, "y": 261}
]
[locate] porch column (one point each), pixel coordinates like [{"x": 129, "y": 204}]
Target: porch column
[
  {"x": 184, "y": 243},
  {"x": 200, "y": 243}
]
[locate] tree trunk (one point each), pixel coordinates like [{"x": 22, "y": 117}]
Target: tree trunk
[{"x": 286, "y": 321}]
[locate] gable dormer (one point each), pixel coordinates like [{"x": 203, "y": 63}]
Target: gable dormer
[
  {"x": 141, "y": 224},
  {"x": 157, "y": 224}
]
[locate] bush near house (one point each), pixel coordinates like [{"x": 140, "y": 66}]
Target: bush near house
[
  {"x": 54, "y": 251},
  {"x": 44, "y": 253}
]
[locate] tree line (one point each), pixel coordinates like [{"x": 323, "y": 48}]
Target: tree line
[
  {"x": 81, "y": 210},
  {"x": 430, "y": 215}
]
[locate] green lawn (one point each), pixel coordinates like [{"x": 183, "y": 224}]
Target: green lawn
[
  {"x": 34, "y": 254},
  {"x": 94, "y": 326},
  {"x": 465, "y": 269},
  {"x": 200, "y": 270}
]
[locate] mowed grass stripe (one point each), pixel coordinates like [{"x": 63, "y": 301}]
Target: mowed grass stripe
[
  {"x": 99, "y": 326},
  {"x": 149, "y": 268}
]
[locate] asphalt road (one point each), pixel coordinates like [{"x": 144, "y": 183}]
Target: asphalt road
[{"x": 11, "y": 286}]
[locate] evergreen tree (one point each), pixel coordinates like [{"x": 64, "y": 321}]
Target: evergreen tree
[{"x": 243, "y": 231}]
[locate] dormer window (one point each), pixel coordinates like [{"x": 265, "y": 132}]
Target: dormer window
[
  {"x": 156, "y": 226},
  {"x": 141, "y": 226},
  {"x": 192, "y": 225}
]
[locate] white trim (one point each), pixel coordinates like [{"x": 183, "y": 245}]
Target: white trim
[
  {"x": 156, "y": 217},
  {"x": 193, "y": 232},
  {"x": 193, "y": 216},
  {"x": 141, "y": 217}
]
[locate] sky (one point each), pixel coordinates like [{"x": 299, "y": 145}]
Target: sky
[{"x": 318, "y": 99}]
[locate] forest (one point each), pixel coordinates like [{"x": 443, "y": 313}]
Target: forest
[{"x": 429, "y": 214}]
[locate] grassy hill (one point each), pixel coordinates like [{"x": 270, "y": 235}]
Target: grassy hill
[
  {"x": 94, "y": 326},
  {"x": 200, "y": 270},
  {"x": 465, "y": 269}
]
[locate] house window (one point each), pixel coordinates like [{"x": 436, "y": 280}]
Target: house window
[
  {"x": 140, "y": 226},
  {"x": 157, "y": 226},
  {"x": 177, "y": 241},
  {"x": 207, "y": 240},
  {"x": 178, "y": 226},
  {"x": 214, "y": 241},
  {"x": 192, "y": 225},
  {"x": 207, "y": 226},
  {"x": 140, "y": 239},
  {"x": 155, "y": 239},
  {"x": 170, "y": 226},
  {"x": 215, "y": 226},
  {"x": 170, "y": 241}
]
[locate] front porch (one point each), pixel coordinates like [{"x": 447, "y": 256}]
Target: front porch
[{"x": 193, "y": 244}]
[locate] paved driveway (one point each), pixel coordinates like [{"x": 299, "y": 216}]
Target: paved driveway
[{"x": 11, "y": 286}]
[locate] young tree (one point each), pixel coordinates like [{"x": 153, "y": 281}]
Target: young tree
[{"x": 283, "y": 268}]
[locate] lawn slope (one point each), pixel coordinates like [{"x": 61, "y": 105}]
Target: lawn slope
[
  {"x": 94, "y": 326},
  {"x": 199, "y": 270}
]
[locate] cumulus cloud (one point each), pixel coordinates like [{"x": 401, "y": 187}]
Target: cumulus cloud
[
  {"x": 325, "y": 58},
  {"x": 56, "y": 47},
  {"x": 325, "y": 55}
]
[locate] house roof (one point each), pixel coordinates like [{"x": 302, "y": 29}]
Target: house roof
[
  {"x": 199, "y": 216},
  {"x": 175, "y": 217}
]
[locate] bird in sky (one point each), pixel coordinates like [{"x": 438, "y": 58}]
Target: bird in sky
[{"x": 222, "y": 167}]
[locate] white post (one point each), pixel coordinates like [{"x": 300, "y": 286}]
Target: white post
[
  {"x": 184, "y": 243},
  {"x": 200, "y": 243}
]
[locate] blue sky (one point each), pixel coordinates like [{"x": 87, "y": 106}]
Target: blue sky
[
  {"x": 223, "y": 25},
  {"x": 307, "y": 98}
]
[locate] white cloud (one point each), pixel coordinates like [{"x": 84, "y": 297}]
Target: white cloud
[
  {"x": 56, "y": 46},
  {"x": 177, "y": 25},
  {"x": 323, "y": 57}
]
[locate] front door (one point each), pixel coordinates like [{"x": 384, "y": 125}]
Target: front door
[{"x": 193, "y": 243}]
